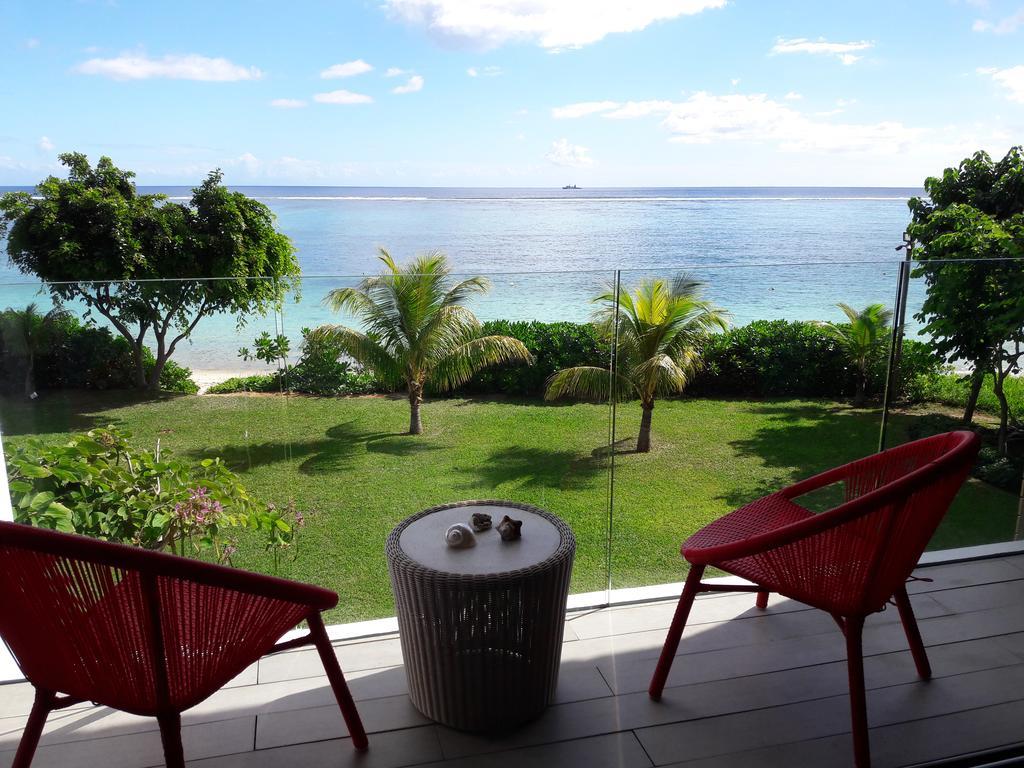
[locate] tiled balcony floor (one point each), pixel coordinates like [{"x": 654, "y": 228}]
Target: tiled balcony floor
[{"x": 748, "y": 689}]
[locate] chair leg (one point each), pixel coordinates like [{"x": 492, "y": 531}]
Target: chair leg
[
  {"x": 337, "y": 680},
  {"x": 33, "y": 728},
  {"x": 858, "y": 697},
  {"x": 675, "y": 631},
  {"x": 170, "y": 735},
  {"x": 762, "y": 599},
  {"x": 924, "y": 669}
]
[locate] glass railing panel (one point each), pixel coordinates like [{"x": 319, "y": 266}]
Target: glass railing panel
[
  {"x": 770, "y": 400},
  {"x": 85, "y": 377},
  {"x": 937, "y": 376},
  {"x": 335, "y": 444}
]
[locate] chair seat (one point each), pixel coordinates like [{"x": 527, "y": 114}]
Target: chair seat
[{"x": 822, "y": 582}]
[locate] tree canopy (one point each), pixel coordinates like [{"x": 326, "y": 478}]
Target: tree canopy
[
  {"x": 969, "y": 233},
  {"x": 145, "y": 263}
]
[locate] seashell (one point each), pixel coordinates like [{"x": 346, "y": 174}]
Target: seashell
[
  {"x": 459, "y": 536},
  {"x": 481, "y": 521},
  {"x": 510, "y": 529}
]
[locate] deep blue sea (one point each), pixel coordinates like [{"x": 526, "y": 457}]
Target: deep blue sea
[{"x": 764, "y": 252}]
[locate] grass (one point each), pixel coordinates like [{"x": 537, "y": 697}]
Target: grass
[
  {"x": 952, "y": 390},
  {"x": 347, "y": 460}
]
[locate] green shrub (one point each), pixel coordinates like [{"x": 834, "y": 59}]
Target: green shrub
[
  {"x": 260, "y": 382},
  {"x": 87, "y": 357},
  {"x": 318, "y": 372},
  {"x": 952, "y": 389},
  {"x": 98, "y": 485},
  {"x": 781, "y": 358},
  {"x": 553, "y": 345}
]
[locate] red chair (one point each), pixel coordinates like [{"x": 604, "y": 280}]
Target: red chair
[
  {"x": 849, "y": 561},
  {"x": 148, "y": 633}
]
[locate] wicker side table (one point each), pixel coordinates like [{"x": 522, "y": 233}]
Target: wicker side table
[{"x": 481, "y": 628}]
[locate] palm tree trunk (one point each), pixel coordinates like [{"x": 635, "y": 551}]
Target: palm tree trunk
[
  {"x": 643, "y": 440},
  {"x": 859, "y": 397},
  {"x": 415, "y": 400}
]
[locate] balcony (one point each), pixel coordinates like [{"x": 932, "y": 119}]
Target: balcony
[{"x": 750, "y": 688}]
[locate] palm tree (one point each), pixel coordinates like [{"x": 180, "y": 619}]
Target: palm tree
[
  {"x": 858, "y": 338},
  {"x": 27, "y": 333},
  {"x": 418, "y": 331},
  {"x": 660, "y": 327}
]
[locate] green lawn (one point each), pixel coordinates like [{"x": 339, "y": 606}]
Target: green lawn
[{"x": 347, "y": 461}]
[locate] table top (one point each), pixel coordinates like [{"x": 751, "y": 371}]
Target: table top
[{"x": 423, "y": 541}]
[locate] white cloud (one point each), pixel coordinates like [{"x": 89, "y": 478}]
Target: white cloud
[
  {"x": 735, "y": 81},
  {"x": 287, "y": 103},
  {"x": 45, "y": 144},
  {"x": 582, "y": 109},
  {"x": 191, "y": 66},
  {"x": 342, "y": 97},
  {"x": 1005, "y": 26},
  {"x": 1011, "y": 78},
  {"x": 793, "y": 96},
  {"x": 490, "y": 71},
  {"x": 395, "y": 72},
  {"x": 704, "y": 118},
  {"x": 32, "y": 42},
  {"x": 845, "y": 52},
  {"x": 348, "y": 69},
  {"x": 569, "y": 155},
  {"x": 414, "y": 84},
  {"x": 552, "y": 24}
]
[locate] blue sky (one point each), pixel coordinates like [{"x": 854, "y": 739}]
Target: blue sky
[{"x": 512, "y": 92}]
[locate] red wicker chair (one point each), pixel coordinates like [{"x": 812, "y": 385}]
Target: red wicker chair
[
  {"x": 144, "y": 632},
  {"x": 849, "y": 561}
]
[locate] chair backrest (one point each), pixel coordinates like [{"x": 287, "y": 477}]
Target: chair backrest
[
  {"x": 140, "y": 631},
  {"x": 908, "y": 490}
]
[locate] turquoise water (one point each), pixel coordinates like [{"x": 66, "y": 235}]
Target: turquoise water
[{"x": 763, "y": 252}]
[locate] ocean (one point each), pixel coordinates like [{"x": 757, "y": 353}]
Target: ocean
[{"x": 763, "y": 253}]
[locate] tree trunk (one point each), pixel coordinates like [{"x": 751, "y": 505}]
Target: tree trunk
[
  {"x": 140, "y": 366},
  {"x": 860, "y": 396},
  {"x": 153, "y": 384},
  {"x": 977, "y": 379},
  {"x": 415, "y": 400},
  {"x": 1004, "y": 409},
  {"x": 643, "y": 440}
]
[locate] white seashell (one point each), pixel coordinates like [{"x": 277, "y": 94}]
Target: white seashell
[{"x": 460, "y": 536}]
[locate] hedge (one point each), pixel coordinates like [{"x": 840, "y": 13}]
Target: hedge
[{"x": 87, "y": 357}]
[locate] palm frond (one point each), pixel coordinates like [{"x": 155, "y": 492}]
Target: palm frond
[
  {"x": 586, "y": 382},
  {"x": 460, "y": 363},
  {"x": 365, "y": 350}
]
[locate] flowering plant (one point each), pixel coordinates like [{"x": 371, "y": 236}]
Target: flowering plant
[{"x": 98, "y": 485}]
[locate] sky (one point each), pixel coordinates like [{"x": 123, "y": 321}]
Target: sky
[{"x": 511, "y": 93}]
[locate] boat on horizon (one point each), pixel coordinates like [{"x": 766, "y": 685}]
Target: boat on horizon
[{"x": 570, "y": 186}]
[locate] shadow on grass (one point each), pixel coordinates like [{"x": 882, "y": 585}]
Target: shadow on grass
[
  {"x": 62, "y": 411},
  {"x": 800, "y": 441},
  {"x": 536, "y": 468},
  {"x": 337, "y": 450}
]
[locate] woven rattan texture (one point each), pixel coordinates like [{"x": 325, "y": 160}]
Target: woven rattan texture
[
  {"x": 482, "y": 651},
  {"x": 852, "y": 563}
]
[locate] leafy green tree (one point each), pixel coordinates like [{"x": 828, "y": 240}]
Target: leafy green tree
[
  {"x": 970, "y": 236},
  {"x": 858, "y": 338},
  {"x": 27, "y": 334},
  {"x": 146, "y": 264},
  {"x": 418, "y": 331},
  {"x": 661, "y": 327}
]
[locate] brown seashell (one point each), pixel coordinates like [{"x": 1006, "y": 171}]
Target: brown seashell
[
  {"x": 460, "y": 536},
  {"x": 481, "y": 521},
  {"x": 510, "y": 529}
]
